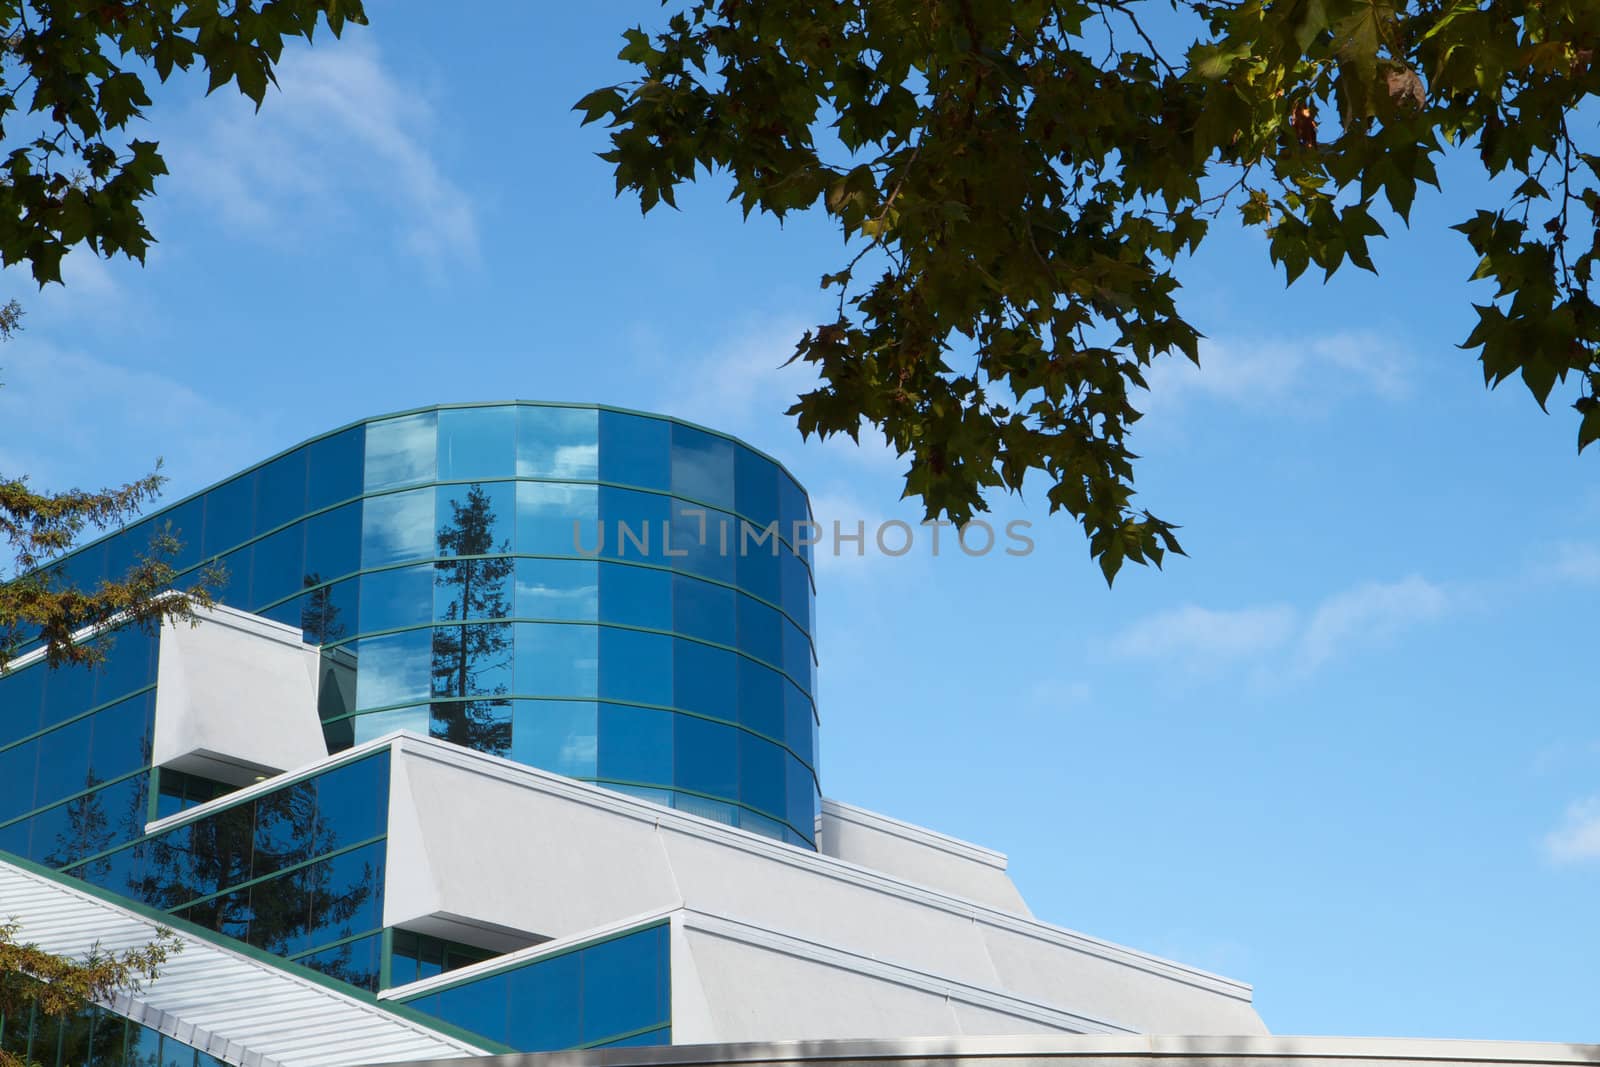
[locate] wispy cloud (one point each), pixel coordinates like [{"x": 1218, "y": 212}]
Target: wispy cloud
[
  {"x": 1291, "y": 374},
  {"x": 340, "y": 130},
  {"x": 1577, "y": 839},
  {"x": 1282, "y": 639}
]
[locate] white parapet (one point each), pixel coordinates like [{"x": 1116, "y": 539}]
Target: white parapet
[{"x": 236, "y": 698}]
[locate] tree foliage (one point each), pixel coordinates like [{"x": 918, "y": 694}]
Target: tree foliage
[
  {"x": 57, "y": 987},
  {"x": 1017, "y": 180},
  {"x": 74, "y": 77}
]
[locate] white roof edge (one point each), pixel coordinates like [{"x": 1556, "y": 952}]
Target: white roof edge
[
  {"x": 505, "y": 770},
  {"x": 920, "y": 835}
]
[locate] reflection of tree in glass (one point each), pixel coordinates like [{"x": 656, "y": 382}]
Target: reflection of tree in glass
[
  {"x": 319, "y": 618},
  {"x": 272, "y": 832},
  {"x": 462, "y": 655},
  {"x": 91, "y": 829}
]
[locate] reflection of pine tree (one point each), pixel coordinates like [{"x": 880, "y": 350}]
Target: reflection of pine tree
[
  {"x": 319, "y": 616},
  {"x": 462, "y": 654}
]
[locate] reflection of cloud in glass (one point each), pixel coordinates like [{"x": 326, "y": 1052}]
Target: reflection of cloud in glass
[
  {"x": 397, "y": 527},
  {"x": 401, "y": 451},
  {"x": 537, "y": 599},
  {"x": 548, "y": 512},
  {"x": 394, "y": 669},
  {"x": 575, "y": 461},
  {"x": 558, "y": 443}
]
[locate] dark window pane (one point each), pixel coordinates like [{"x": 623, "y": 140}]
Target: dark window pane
[
  {"x": 546, "y": 1005},
  {"x": 330, "y": 613},
  {"x": 17, "y": 766},
  {"x": 761, "y": 631},
  {"x": 636, "y": 744},
  {"x": 230, "y": 515},
  {"x": 635, "y": 666},
  {"x": 800, "y": 800},
  {"x": 558, "y": 589},
  {"x": 356, "y": 963},
  {"x": 555, "y": 735},
  {"x": 702, "y": 466},
  {"x": 277, "y": 565},
  {"x": 477, "y": 443},
  {"x": 705, "y": 544},
  {"x": 281, "y": 913},
  {"x": 21, "y": 698},
  {"x": 558, "y": 443},
  {"x": 705, "y": 756},
  {"x": 472, "y": 660},
  {"x": 799, "y": 722},
  {"x": 634, "y": 525},
  {"x": 397, "y": 528},
  {"x": 63, "y": 761},
  {"x": 557, "y": 659},
  {"x": 401, "y": 451},
  {"x": 480, "y": 1006},
  {"x": 281, "y": 491},
  {"x": 797, "y": 655},
  {"x": 353, "y": 802},
  {"x": 619, "y": 986},
  {"x": 68, "y": 691},
  {"x": 761, "y": 775},
  {"x": 335, "y": 468},
  {"x": 635, "y": 451},
  {"x": 796, "y": 587},
  {"x": 558, "y": 519},
  {"x": 285, "y": 822},
  {"x": 759, "y": 569},
  {"x": 756, "y": 488},
  {"x": 706, "y": 680},
  {"x": 700, "y": 609},
  {"x": 636, "y": 596},
  {"x": 346, "y": 894},
  {"x": 185, "y": 524},
  {"x": 400, "y": 596},
  {"x": 481, "y": 725},
  {"x": 760, "y": 698},
  {"x": 792, "y": 509},
  {"x": 130, "y": 665},
  {"x": 333, "y": 543},
  {"x": 120, "y": 737}
]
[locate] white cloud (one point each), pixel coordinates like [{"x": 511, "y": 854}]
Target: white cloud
[
  {"x": 1278, "y": 637},
  {"x": 1371, "y": 613},
  {"x": 1578, "y": 838},
  {"x": 339, "y": 130},
  {"x": 1283, "y": 373},
  {"x": 1197, "y": 634},
  {"x": 1573, "y": 563}
]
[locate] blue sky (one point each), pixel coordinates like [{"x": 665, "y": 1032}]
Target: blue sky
[{"x": 1347, "y": 751}]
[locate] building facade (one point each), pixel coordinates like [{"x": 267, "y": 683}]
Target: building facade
[{"x": 503, "y": 739}]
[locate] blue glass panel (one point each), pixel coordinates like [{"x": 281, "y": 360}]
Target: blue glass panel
[
  {"x": 703, "y": 466},
  {"x": 366, "y": 727},
  {"x": 546, "y": 1000},
  {"x": 706, "y": 680},
  {"x": 353, "y": 802},
  {"x": 111, "y": 816},
  {"x": 704, "y": 544},
  {"x": 634, "y": 524},
  {"x": 144, "y": 1046},
  {"x": 716, "y": 810},
  {"x": 394, "y": 668},
  {"x": 14, "y": 838},
  {"x": 557, "y": 659},
  {"x": 281, "y": 491},
  {"x": 756, "y": 488},
  {"x": 130, "y": 664},
  {"x": 234, "y": 586},
  {"x": 703, "y": 610},
  {"x": 472, "y": 660},
  {"x": 481, "y": 725},
  {"x": 68, "y": 691},
  {"x": 346, "y": 894},
  {"x": 21, "y": 698},
  {"x": 401, "y": 451},
  {"x": 797, "y": 655},
  {"x": 480, "y": 1006},
  {"x": 285, "y": 828},
  {"x": 799, "y": 722},
  {"x": 760, "y": 699},
  {"x": 335, "y": 464},
  {"x": 800, "y": 794},
  {"x": 558, "y": 589},
  {"x": 356, "y": 962},
  {"x": 635, "y": 666},
  {"x": 289, "y": 612},
  {"x": 636, "y": 744},
  {"x": 330, "y": 613},
  {"x": 635, "y": 451},
  {"x": 759, "y": 569},
  {"x": 185, "y": 524},
  {"x": 84, "y": 569},
  {"x": 761, "y": 824},
  {"x": 558, "y": 443},
  {"x": 636, "y": 596},
  {"x": 120, "y": 737},
  {"x": 51, "y": 838},
  {"x": 230, "y": 515},
  {"x": 475, "y": 520},
  {"x": 477, "y": 443},
  {"x": 402, "y": 596},
  {"x": 792, "y": 509},
  {"x": 659, "y": 1036},
  {"x": 705, "y": 756},
  {"x": 556, "y": 735},
  {"x": 761, "y": 775},
  {"x": 333, "y": 543},
  {"x": 397, "y": 528},
  {"x": 17, "y": 766},
  {"x": 761, "y": 631},
  {"x": 63, "y": 760},
  {"x": 558, "y": 519},
  {"x": 619, "y": 986},
  {"x": 474, "y": 588},
  {"x": 276, "y": 565},
  {"x": 796, "y": 587}
]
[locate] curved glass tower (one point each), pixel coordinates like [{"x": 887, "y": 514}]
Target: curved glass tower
[{"x": 611, "y": 596}]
